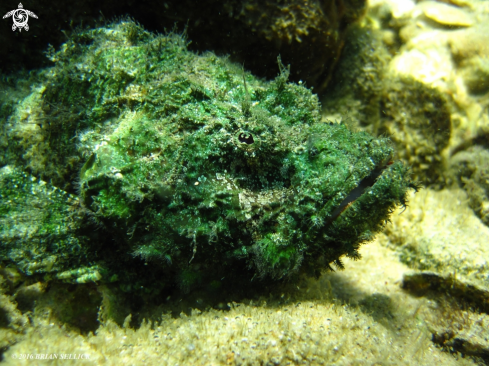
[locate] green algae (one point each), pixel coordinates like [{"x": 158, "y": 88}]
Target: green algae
[{"x": 204, "y": 170}]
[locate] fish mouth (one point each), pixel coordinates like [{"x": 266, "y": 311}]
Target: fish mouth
[{"x": 360, "y": 189}]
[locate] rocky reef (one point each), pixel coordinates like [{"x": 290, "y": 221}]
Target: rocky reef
[
  {"x": 141, "y": 182},
  {"x": 308, "y": 34}
]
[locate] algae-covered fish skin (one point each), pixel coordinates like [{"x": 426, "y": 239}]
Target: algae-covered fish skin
[
  {"x": 41, "y": 226},
  {"x": 202, "y": 172}
]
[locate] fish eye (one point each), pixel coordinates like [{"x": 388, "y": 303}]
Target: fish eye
[{"x": 246, "y": 138}]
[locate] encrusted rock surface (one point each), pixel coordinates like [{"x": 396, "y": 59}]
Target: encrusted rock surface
[{"x": 308, "y": 34}]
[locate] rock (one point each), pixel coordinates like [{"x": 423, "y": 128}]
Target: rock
[
  {"x": 398, "y": 9},
  {"x": 440, "y": 233},
  {"x": 458, "y": 320},
  {"x": 309, "y": 35},
  {"x": 470, "y": 168},
  {"x": 418, "y": 119},
  {"x": 468, "y": 43},
  {"x": 440, "y": 236},
  {"x": 470, "y": 50},
  {"x": 446, "y": 14}
]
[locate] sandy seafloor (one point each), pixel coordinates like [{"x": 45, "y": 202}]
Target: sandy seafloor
[{"x": 420, "y": 293}]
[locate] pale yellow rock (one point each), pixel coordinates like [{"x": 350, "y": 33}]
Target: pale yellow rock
[
  {"x": 310, "y": 329},
  {"x": 446, "y": 14},
  {"x": 431, "y": 66},
  {"x": 440, "y": 233},
  {"x": 462, "y": 3},
  {"x": 468, "y": 43},
  {"x": 398, "y": 8}
]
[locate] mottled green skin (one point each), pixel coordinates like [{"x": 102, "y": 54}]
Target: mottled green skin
[
  {"x": 179, "y": 177},
  {"x": 40, "y": 226},
  {"x": 204, "y": 171}
]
